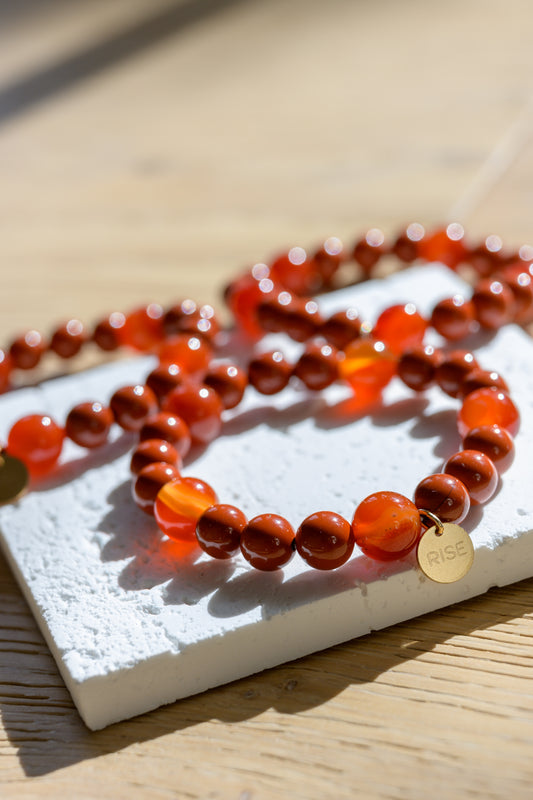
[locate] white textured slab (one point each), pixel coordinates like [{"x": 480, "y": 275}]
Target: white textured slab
[{"x": 132, "y": 628}]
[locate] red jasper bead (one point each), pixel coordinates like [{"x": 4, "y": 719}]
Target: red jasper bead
[
  {"x": 273, "y": 313},
  {"x": 488, "y": 407},
  {"x": 328, "y": 259},
  {"x": 5, "y": 370},
  {"x": 368, "y": 250},
  {"x": 476, "y": 471},
  {"x": 400, "y": 327},
  {"x": 107, "y": 333},
  {"x": 132, "y": 405},
  {"x": 27, "y": 350},
  {"x": 191, "y": 353},
  {"x": 152, "y": 451},
  {"x": 417, "y": 367},
  {"x": 486, "y": 257},
  {"x": 163, "y": 379},
  {"x": 318, "y": 367},
  {"x": 453, "y": 369},
  {"x": 386, "y": 526},
  {"x": 149, "y": 482},
  {"x": 219, "y": 530},
  {"x": 482, "y": 379},
  {"x": 169, "y": 427},
  {"x": 446, "y": 246},
  {"x": 303, "y": 320},
  {"x": 407, "y": 247},
  {"x": 68, "y": 339},
  {"x": 267, "y": 542},
  {"x": 186, "y": 318},
  {"x": 342, "y": 328},
  {"x": 325, "y": 540},
  {"x": 88, "y": 424},
  {"x": 494, "y": 441},
  {"x": 453, "y": 317},
  {"x": 228, "y": 381},
  {"x": 520, "y": 283},
  {"x": 143, "y": 328},
  {"x": 37, "y": 441},
  {"x": 200, "y": 407},
  {"x": 269, "y": 373},
  {"x": 180, "y": 504},
  {"x": 493, "y": 304},
  {"x": 443, "y": 495},
  {"x": 296, "y": 272}
]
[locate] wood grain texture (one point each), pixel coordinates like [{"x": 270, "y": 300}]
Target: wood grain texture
[{"x": 247, "y": 128}]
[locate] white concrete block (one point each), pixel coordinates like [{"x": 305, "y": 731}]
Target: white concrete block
[{"x": 132, "y": 626}]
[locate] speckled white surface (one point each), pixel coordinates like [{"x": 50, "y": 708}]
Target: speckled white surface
[{"x": 132, "y": 627}]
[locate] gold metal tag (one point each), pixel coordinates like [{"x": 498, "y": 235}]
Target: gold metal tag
[
  {"x": 14, "y": 478},
  {"x": 445, "y": 553}
]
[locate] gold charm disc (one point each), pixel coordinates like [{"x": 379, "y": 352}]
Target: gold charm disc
[
  {"x": 14, "y": 478},
  {"x": 445, "y": 556}
]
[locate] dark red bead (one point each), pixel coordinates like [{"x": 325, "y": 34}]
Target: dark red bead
[
  {"x": 148, "y": 483},
  {"x": 26, "y": 351},
  {"x": 476, "y": 471},
  {"x": 200, "y": 407},
  {"x": 482, "y": 379},
  {"x": 152, "y": 451},
  {"x": 407, "y": 247},
  {"x": 328, "y": 258},
  {"x": 325, "y": 540},
  {"x": 486, "y": 257},
  {"x": 267, "y": 542},
  {"x": 6, "y": 367},
  {"x": 88, "y": 424},
  {"x": 107, "y": 334},
  {"x": 493, "y": 304},
  {"x": 443, "y": 495},
  {"x": 163, "y": 379},
  {"x": 228, "y": 381},
  {"x": 132, "y": 405},
  {"x": 520, "y": 282},
  {"x": 68, "y": 339},
  {"x": 273, "y": 312},
  {"x": 494, "y": 441},
  {"x": 453, "y": 317},
  {"x": 318, "y": 366},
  {"x": 269, "y": 373},
  {"x": 417, "y": 367},
  {"x": 219, "y": 530},
  {"x": 342, "y": 328},
  {"x": 452, "y": 371},
  {"x": 368, "y": 250},
  {"x": 303, "y": 320},
  {"x": 171, "y": 428}
]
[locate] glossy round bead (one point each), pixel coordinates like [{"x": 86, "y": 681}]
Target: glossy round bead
[
  {"x": 296, "y": 272},
  {"x": 493, "y": 304},
  {"x": 243, "y": 297},
  {"x": 341, "y": 328},
  {"x": 187, "y": 318},
  {"x": 152, "y": 451},
  {"x": 417, "y": 367},
  {"x": 368, "y": 250},
  {"x": 318, "y": 366},
  {"x": 107, "y": 332},
  {"x": 37, "y": 441},
  {"x": 180, "y": 504},
  {"x": 453, "y": 369},
  {"x": 445, "y": 245},
  {"x": 443, "y": 495},
  {"x": 269, "y": 373},
  {"x": 476, "y": 471},
  {"x": 68, "y": 339},
  {"x": 192, "y": 353},
  {"x": 228, "y": 381},
  {"x": 487, "y": 256},
  {"x": 143, "y": 328},
  {"x": 400, "y": 327},
  {"x": 88, "y": 424},
  {"x": 325, "y": 540},
  {"x": 368, "y": 366},
  {"x": 453, "y": 317},
  {"x": 200, "y": 407},
  {"x": 520, "y": 283},
  {"x": 163, "y": 379},
  {"x": 267, "y": 542},
  {"x": 328, "y": 259},
  {"x": 132, "y": 405},
  {"x": 273, "y": 312},
  {"x": 171, "y": 428},
  {"x": 482, "y": 379},
  {"x": 5, "y": 370},
  {"x": 303, "y": 320},
  {"x": 488, "y": 407},
  {"x": 386, "y": 526},
  {"x": 219, "y": 530},
  {"x": 27, "y": 350},
  {"x": 148, "y": 483},
  {"x": 406, "y": 247},
  {"x": 494, "y": 441}
]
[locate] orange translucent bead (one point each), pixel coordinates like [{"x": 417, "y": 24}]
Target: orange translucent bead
[
  {"x": 243, "y": 297},
  {"x": 37, "y": 440},
  {"x": 191, "y": 353},
  {"x": 400, "y": 327},
  {"x": 5, "y": 370},
  {"x": 180, "y": 504},
  {"x": 368, "y": 366},
  {"x": 488, "y": 407},
  {"x": 445, "y": 245},
  {"x": 386, "y": 526},
  {"x": 200, "y": 407},
  {"x": 143, "y": 328},
  {"x": 296, "y": 272}
]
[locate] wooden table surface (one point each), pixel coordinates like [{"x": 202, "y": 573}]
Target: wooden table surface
[{"x": 148, "y": 150}]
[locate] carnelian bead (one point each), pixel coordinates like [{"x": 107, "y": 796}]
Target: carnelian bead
[
  {"x": 219, "y": 530},
  {"x": 37, "y": 441},
  {"x": 180, "y": 504},
  {"x": 482, "y": 379},
  {"x": 267, "y": 542},
  {"x": 453, "y": 369},
  {"x": 107, "y": 333},
  {"x": 453, "y": 317},
  {"x": 443, "y": 495},
  {"x": 148, "y": 483},
  {"x": 200, "y": 407},
  {"x": 444, "y": 245},
  {"x": 400, "y": 327},
  {"x": 476, "y": 471},
  {"x": 171, "y": 428},
  {"x": 5, "y": 370},
  {"x": 493, "y": 304},
  {"x": 143, "y": 328},
  {"x": 318, "y": 366},
  {"x": 269, "y": 373},
  {"x": 296, "y": 272},
  {"x": 303, "y": 320},
  {"x": 228, "y": 381},
  {"x": 386, "y": 526},
  {"x": 368, "y": 250},
  {"x": 27, "y": 350},
  {"x": 325, "y": 540},
  {"x": 68, "y": 339},
  {"x": 131, "y": 405},
  {"x": 488, "y": 407},
  {"x": 243, "y": 297},
  {"x": 88, "y": 424},
  {"x": 368, "y": 366},
  {"x": 494, "y": 441},
  {"x": 342, "y": 328},
  {"x": 417, "y": 367},
  {"x": 163, "y": 379},
  {"x": 191, "y": 353},
  {"x": 152, "y": 451}
]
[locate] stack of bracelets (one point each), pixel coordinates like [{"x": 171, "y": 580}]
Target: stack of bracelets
[{"x": 184, "y": 397}]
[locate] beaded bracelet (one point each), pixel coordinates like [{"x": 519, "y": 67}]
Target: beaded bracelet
[{"x": 192, "y": 391}]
